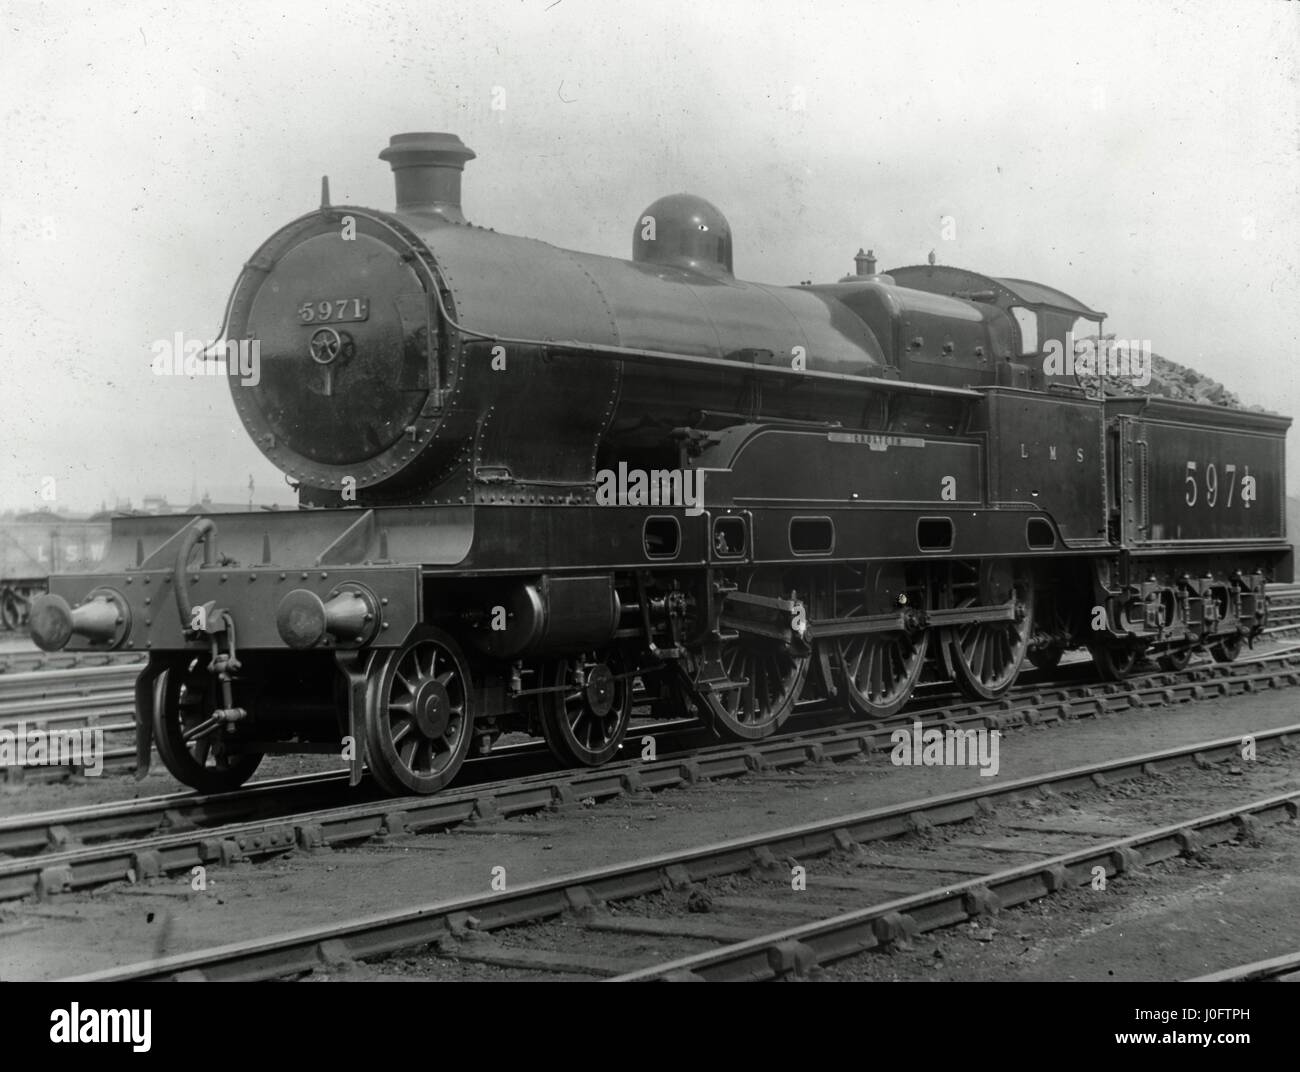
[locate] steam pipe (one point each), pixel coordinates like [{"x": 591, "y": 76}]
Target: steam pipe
[{"x": 203, "y": 531}]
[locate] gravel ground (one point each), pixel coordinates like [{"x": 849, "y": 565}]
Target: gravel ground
[{"x": 1173, "y": 920}]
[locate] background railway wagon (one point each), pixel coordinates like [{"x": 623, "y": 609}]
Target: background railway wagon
[{"x": 34, "y": 545}]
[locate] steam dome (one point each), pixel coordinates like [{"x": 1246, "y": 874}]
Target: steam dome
[{"x": 683, "y": 231}]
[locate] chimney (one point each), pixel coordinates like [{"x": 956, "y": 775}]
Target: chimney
[
  {"x": 865, "y": 262},
  {"x": 426, "y": 173}
]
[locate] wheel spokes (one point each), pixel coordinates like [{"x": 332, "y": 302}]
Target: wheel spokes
[
  {"x": 883, "y": 666},
  {"x": 762, "y": 689},
  {"x": 988, "y": 655},
  {"x": 586, "y": 708},
  {"x": 210, "y": 760},
  {"x": 879, "y": 670},
  {"x": 413, "y": 748}
]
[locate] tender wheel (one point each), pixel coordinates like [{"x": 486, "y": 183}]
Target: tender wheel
[
  {"x": 203, "y": 757},
  {"x": 1114, "y": 663},
  {"x": 1226, "y": 650},
  {"x": 585, "y": 723},
  {"x": 1175, "y": 660},
  {"x": 877, "y": 671},
  {"x": 419, "y": 713},
  {"x": 747, "y": 686},
  {"x": 984, "y": 658},
  {"x": 1046, "y": 659}
]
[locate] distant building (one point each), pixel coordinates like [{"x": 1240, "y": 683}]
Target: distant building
[{"x": 207, "y": 506}]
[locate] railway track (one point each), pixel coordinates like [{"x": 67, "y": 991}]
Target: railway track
[
  {"x": 955, "y": 883},
  {"x": 81, "y": 848},
  {"x": 35, "y": 685},
  {"x": 30, "y": 661},
  {"x": 96, "y": 697},
  {"x": 1283, "y": 969},
  {"x": 101, "y": 696},
  {"x": 600, "y": 905},
  {"x": 1284, "y": 609}
]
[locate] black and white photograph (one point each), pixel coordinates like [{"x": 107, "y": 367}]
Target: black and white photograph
[{"x": 549, "y": 491}]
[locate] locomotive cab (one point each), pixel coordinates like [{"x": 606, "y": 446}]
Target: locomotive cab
[{"x": 1041, "y": 320}]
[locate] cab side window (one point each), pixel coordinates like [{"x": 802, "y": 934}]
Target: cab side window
[{"x": 1027, "y": 322}]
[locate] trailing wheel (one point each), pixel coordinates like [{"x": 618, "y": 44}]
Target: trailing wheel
[
  {"x": 585, "y": 721},
  {"x": 197, "y": 750},
  {"x": 984, "y": 658},
  {"x": 877, "y": 671},
  {"x": 419, "y": 713}
]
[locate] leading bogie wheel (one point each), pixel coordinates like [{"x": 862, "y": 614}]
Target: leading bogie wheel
[
  {"x": 419, "y": 713},
  {"x": 203, "y": 756}
]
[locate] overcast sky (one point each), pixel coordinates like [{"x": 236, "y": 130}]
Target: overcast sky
[{"x": 1143, "y": 157}]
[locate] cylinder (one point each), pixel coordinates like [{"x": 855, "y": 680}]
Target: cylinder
[{"x": 551, "y": 616}]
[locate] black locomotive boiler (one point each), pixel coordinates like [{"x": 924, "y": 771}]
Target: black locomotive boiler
[{"x": 532, "y": 480}]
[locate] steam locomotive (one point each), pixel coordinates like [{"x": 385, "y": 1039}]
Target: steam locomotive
[{"x": 533, "y": 481}]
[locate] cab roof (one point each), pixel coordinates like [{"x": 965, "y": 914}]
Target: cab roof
[{"x": 1002, "y": 291}]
